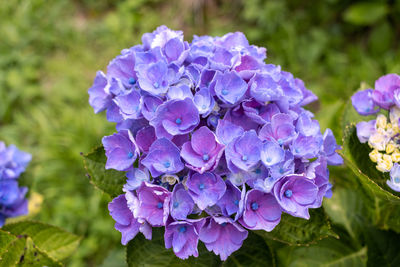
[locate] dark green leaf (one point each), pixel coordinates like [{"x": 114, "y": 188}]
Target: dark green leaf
[
  {"x": 383, "y": 247},
  {"x": 254, "y": 252},
  {"x": 365, "y": 13},
  {"x": 51, "y": 240},
  {"x": 145, "y": 253},
  {"x": 108, "y": 181},
  {"x": 298, "y": 231}
]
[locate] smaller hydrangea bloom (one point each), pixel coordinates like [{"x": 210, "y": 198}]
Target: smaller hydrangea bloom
[
  {"x": 365, "y": 130},
  {"x": 153, "y": 204},
  {"x": 363, "y": 103},
  {"x": 183, "y": 237},
  {"x": 295, "y": 194},
  {"x": 203, "y": 152},
  {"x": 204, "y": 102},
  {"x": 153, "y": 78},
  {"x": 163, "y": 158},
  {"x": 385, "y": 88},
  {"x": 121, "y": 150},
  {"x": 262, "y": 211},
  {"x": 222, "y": 235},
  {"x": 394, "y": 181},
  {"x": 205, "y": 189},
  {"x": 181, "y": 203}
]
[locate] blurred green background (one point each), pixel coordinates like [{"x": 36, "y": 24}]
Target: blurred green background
[{"x": 51, "y": 49}]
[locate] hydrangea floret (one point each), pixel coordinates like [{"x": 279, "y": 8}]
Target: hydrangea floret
[
  {"x": 382, "y": 134},
  {"x": 214, "y": 141},
  {"x": 13, "y": 163}
]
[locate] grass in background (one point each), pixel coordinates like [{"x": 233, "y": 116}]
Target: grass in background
[{"x": 50, "y": 51}]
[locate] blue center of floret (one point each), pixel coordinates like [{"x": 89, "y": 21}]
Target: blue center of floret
[
  {"x": 254, "y": 206},
  {"x": 288, "y": 193},
  {"x": 160, "y": 205}
]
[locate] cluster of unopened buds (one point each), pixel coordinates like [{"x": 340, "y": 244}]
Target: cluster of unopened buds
[
  {"x": 383, "y": 133},
  {"x": 213, "y": 141},
  {"x": 12, "y": 197}
]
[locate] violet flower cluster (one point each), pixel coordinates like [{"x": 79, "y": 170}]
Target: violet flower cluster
[
  {"x": 214, "y": 142},
  {"x": 383, "y": 133},
  {"x": 12, "y": 197}
]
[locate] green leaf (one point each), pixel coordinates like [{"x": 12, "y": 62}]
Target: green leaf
[
  {"x": 327, "y": 252},
  {"x": 51, "y": 240},
  {"x": 152, "y": 253},
  {"x": 346, "y": 208},
  {"x": 5, "y": 240},
  {"x": 23, "y": 252},
  {"x": 298, "y": 231},
  {"x": 108, "y": 181},
  {"x": 365, "y": 13},
  {"x": 254, "y": 252},
  {"x": 142, "y": 253},
  {"x": 383, "y": 247}
]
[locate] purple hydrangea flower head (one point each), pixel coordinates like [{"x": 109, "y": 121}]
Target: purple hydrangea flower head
[
  {"x": 135, "y": 178},
  {"x": 229, "y": 203},
  {"x": 243, "y": 153},
  {"x": 385, "y": 89},
  {"x": 363, "y": 103},
  {"x": 280, "y": 129},
  {"x": 181, "y": 203},
  {"x": 271, "y": 153},
  {"x": 205, "y": 189},
  {"x": 203, "y": 152},
  {"x": 183, "y": 237},
  {"x": 175, "y": 117},
  {"x": 163, "y": 158},
  {"x": 330, "y": 147},
  {"x": 262, "y": 211},
  {"x": 153, "y": 204},
  {"x": 216, "y": 131},
  {"x": 98, "y": 98},
  {"x": 229, "y": 87},
  {"x": 124, "y": 220},
  {"x": 204, "y": 101},
  {"x": 121, "y": 150},
  {"x": 295, "y": 194},
  {"x": 222, "y": 235}
]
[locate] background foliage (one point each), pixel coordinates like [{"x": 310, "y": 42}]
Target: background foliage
[{"x": 50, "y": 50}]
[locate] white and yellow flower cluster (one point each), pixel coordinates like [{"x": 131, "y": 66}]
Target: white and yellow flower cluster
[{"x": 385, "y": 141}]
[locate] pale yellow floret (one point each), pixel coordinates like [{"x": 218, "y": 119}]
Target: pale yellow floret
[
  {"x": 390, "y": 148},
  {"x": 396, "y": 155},
  {"x": 374, "y": 155},
  {"x": 385, "y": 164},
  {"x": 171, "y": 179},
  {"x": 381, "y": 121},
  {"x": 378, "y": 141},
  {"x": 394, "y": 115}
]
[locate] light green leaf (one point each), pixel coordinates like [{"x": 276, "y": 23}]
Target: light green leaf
[
  {"x": 13, "y": 253},
  {"x": 108, "y": 181},
  {"x": 298, "y": 231},
  {"x": 51, "y": 240},
  {"x": 365, "y": 13},
  {"x": 327, "y": 252}
]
